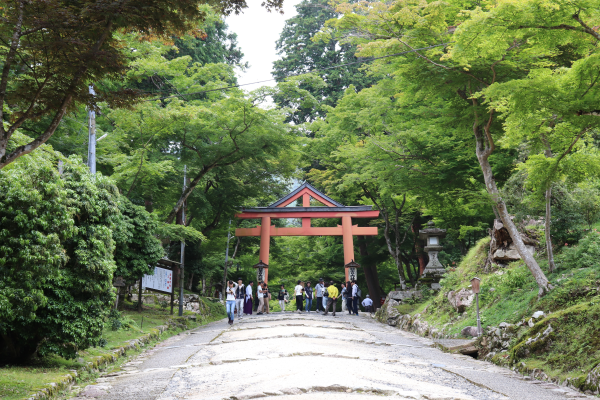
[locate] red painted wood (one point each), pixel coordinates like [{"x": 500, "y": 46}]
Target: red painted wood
[
  {"x": 310, "y": 214},
  {"x": 302, "y": 193},
  {"x": 307, "y": 231}
]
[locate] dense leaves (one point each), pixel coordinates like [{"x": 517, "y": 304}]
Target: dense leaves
[
  {"x": 52, "y": 50},
  {"x": 56, "y": 256},
  {"x": 137, "y": 249}
]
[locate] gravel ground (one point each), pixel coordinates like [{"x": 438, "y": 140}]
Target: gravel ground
[{"x": 309, "y": 356}]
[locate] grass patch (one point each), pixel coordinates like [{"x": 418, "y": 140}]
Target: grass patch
[{"x": 21, "y": 381}]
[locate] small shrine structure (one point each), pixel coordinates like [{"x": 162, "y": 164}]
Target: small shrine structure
[{"x": 330, "y": 209}]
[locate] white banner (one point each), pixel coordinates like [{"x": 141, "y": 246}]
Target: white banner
[{"x": 161, "y": 280}]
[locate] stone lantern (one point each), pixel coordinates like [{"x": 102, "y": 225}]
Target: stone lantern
[
  {"x": 434, "y": 270},
  {"x": 261, "y": 268},
  {"x": 352, "y": 270}
]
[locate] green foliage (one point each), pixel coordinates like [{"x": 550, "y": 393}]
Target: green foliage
[
  {"x": 137, "y": 249},
  {"x": 56, "y": 303},
  {"x": 47, "y": 86},
  {"x": 585, "y": 254},
  {"x": 217, "y": 45},
  {"x": 301, "y": 53}
]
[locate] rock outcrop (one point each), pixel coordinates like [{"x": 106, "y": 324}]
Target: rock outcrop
[
  {"x": 461, "y": 299},
  {"x": 469, "y": 331},
  {"x": 502, "y": 248},
  {"x": 403, "y": 295},
  {"x": 592, "y": 382}
]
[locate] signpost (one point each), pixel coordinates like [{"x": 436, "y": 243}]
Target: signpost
[{"x": 162, "y": 280}]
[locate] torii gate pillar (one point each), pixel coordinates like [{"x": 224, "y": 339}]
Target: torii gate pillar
[
  {"x": 265, "y": 243},
  {"x": 348, "y": 242}
]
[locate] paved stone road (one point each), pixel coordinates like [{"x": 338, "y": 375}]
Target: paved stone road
[{"x": 309, "y": 356}]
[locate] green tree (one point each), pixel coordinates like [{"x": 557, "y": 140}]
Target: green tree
[
  {"x": 137, "y": 249},
  {"x": 52, "y": 51},
  {"x": 301, "y": 54},
  {"x": 490, "y": 49},
  {"x": 216, "y": 46},
  {"x": 56, "y": 256}
]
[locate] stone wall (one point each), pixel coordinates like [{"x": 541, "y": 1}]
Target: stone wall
[{"x": 191, "y": 302}]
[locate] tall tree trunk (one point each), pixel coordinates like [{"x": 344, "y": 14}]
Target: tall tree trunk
[
  {"x": 416, "y": 227},
  {"x": 372, "y": 283},
  {"x": 191, "y": 282},
  {"x": 203, "y": 285},
  {"x": 484, "y": 148},
  {"x": 547, "y": 223}
]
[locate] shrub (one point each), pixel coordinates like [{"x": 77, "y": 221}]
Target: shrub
[
  {"x": 56, "y": 256},
  {"x": 585, "y": 254}
]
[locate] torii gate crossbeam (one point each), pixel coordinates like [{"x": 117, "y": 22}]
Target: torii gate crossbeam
[{"x": 333, "y": 209}]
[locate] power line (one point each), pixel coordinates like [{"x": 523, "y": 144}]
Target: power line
[{"x": 288, "y": 76}]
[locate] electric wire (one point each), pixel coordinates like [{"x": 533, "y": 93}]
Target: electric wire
[{"x": 291, "y": 75}]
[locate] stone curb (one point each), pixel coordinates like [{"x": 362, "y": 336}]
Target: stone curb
[{"x": 100, "y": 361}]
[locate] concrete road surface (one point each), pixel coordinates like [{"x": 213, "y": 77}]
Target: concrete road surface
[{"x": 294, "y": 356}]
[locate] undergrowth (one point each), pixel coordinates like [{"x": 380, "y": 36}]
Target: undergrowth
[{"x": 510, "y": 294}]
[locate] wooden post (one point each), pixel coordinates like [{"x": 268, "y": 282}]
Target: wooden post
[
  {"x": 172, "y": 298},
  {"x": 265, "y": 242},
  {"x": 140, "y": 295},
  {"x": 347, "y": 241}
]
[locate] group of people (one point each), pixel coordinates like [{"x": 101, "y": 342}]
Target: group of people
[{"x": 240, "y": 299}]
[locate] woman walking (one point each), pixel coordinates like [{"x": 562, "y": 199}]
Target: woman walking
[
  {"x": 282, "y": 296},
  {"x": 230, "y": 302}
]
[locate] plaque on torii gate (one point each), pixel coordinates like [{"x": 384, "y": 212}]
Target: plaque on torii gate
[{"x": 330, "y": 209}]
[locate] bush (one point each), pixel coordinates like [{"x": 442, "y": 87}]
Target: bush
[
  {"x": 114, "y": 320},
  {"x": 56, "y": 256},
  {"x": 585, "y": 254},
  {"x": 137, "y": 249}
]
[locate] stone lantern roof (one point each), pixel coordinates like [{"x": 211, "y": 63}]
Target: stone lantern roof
[{"x": 431, "y": 231}]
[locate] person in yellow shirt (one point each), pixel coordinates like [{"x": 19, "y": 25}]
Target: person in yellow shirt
[{"x": 332, "y": 299}]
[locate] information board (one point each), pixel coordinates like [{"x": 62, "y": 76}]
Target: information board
[{"x": 162, "y": 280}]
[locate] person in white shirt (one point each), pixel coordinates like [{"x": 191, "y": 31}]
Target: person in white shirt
[
  {"x": 230, "y": 300},
  {"x": 354, "y": 298},
  {"x": 261, "y": 298},
  {"x": 240, "y": 295},
  {"x": 298, "y": 292},
  {"x": 319, "y": 289},
  {"x": 368, "y": 304},
  {"x": 249, "y": 299}
]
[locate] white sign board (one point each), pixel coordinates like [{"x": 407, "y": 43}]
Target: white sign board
[{"x": 161, "y": 280}]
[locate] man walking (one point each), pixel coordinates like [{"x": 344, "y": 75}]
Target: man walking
[
  {"x": 343, "y": 294},
  {"x": 240, "y": 295},
  {"x": 319, "y": 294},
  {"x": 249, "y": 299},
  {"x": 266, "y": 296},
  {"x": 368, "y": 304},
  {"x": 349, "y": 297},
  {"x": 333, "y": 294},
  {"x": 309, "y": 296},
  {"x": 261, "y": 299},
  {"x": 355, "y": 296},
  {"x": 298, "y": 293},
  {"x": 282, "y": 296}
]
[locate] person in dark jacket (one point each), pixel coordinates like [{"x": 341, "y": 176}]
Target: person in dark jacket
[{"x": 308, "y": 290}]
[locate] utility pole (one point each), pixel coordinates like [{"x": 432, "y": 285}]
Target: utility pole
[
  {"x": 181, "y": 269},
  {"x": 92, "y": 136},
  {"x": 226, "y": 261}
]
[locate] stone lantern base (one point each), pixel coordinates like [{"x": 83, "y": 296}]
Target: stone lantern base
[{"x": 434, "y": 271}]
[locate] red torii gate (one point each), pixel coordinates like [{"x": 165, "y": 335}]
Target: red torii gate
[{"x": 333, "y": 209}]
